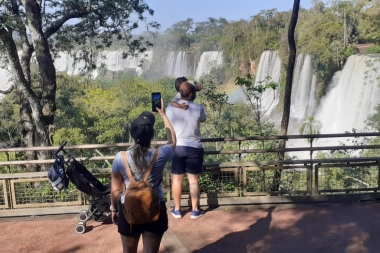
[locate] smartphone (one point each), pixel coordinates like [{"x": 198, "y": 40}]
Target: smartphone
[{"x": 156, "y": 101}]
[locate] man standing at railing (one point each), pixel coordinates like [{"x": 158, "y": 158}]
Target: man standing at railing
[{"x": 188, "y": 155}]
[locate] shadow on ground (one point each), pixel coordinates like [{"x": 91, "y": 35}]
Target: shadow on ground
[{"x": 348, "y": 228}]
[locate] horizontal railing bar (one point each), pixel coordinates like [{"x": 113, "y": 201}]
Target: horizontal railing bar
[
  {"x": 304, "y": 161},
  {"x": 215, "y": 152},
  {"x": 73, "y": 147},
  {"x": 219, "y": 165},
  {"x": 248, "y": 151},
  {"x": 275, "y": 137},
  {"x": 350, "y": 190},
  {"x": 288, "y": 137},
  {"x": 51, "y": 161}
]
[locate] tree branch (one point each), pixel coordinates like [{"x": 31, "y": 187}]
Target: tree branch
[
  {"x": 59, "y": 23},
  {"x": 10, "y": 46},
  {"x": 26, "y": 46}
]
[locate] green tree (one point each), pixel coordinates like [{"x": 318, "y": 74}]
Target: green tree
[
  {"x": 255, "y": 93},
  {"x": 179, "y": 36},
  {"x": 10, "y": 124},
  {"x": 42, "y": 28},
  {"x": 310, "y": 126}
]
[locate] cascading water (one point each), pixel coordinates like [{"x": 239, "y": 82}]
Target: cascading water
[
  {"x": 303, "y": 102},
  {"x": 170, "y": 63},
  {"x": 208, "y": 61},
  {"x": 352, "y": 97},
  {"x": 181, "y": 67},
  {"x": 64, "y": 62},
  {"x": 179, "y": 64},
  {"x": 111, "y": 60},
  {"x": 269, "y": 66},
  {"x": 114, "y": 61}
]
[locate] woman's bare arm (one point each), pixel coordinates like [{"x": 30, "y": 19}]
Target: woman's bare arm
[
  {"x": 116, "y": 188},
  {"x": 172, "y": 140}
]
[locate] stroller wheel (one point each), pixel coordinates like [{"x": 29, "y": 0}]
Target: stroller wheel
[
  {"x": 80, "y": 228},
  {"x": 83, "y": 216}
]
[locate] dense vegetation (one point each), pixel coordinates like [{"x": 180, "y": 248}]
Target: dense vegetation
[
  {"x": 100, "y": 111},
  {"x": 329, "y": 33}
]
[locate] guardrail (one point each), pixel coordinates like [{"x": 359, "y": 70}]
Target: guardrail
[{"x": 231, "y": 176}]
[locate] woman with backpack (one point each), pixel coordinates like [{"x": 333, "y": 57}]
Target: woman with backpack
[{"x": 141, "y": 158}]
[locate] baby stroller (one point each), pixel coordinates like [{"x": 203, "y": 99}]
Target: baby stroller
[{"x": 84, "y": 181}]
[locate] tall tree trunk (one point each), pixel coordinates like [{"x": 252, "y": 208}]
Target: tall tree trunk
[
  {"x": 46, "y": 69},
  {"x": 42, "y": 106},
  {"x": 28, "y": 131},
  {"x": 288, "y": 89},
  {"x": 44, "y": 128}
]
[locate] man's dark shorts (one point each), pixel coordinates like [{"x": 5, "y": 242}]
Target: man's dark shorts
[{"x": 187, "y": 160}]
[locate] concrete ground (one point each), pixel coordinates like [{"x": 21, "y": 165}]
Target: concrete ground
[{"x": 348, "y": 228}]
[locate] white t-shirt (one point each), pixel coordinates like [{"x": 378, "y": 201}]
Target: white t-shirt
[{"x": 186, "y": 123}]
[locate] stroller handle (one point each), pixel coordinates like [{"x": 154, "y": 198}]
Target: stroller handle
[{"x": 60, "y": 149}]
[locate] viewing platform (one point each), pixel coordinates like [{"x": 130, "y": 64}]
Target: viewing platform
[
  {"x": 312, "y": 228},
  {"x": 323, "y": 204}
]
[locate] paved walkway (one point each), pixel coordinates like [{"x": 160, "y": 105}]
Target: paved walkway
[{"x": 348, "y": 228}]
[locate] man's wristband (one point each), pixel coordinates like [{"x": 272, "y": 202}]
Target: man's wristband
[{"x": 114, "y": 210}]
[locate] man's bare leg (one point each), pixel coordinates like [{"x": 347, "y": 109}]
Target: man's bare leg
[
  {"x": 177, "y": 189},
  {"x": 194, "y": 190}
]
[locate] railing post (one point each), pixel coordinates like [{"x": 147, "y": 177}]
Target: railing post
[
  {"x": 316, "y": 180},
  {"x": 240, "y": 171},
  {"x": 378, "y": 174},
  {"x": 310, "y": 184}
]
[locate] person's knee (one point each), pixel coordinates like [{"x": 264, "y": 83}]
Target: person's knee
[
  {"x": 177, "y": 178},
  {"x": 193, "y": 178}
]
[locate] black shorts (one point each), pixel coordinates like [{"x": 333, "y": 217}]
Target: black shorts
[
  {"x": 187, "y": 159},
  {"x": 157, "y": 227}
]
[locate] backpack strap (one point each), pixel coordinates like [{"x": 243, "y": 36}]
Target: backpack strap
[
  {"x": 151, "y": 165},
  {"x": 128, "y": 169}
]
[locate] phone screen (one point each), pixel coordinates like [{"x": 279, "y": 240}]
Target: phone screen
[{"x": 156, "y": 101}]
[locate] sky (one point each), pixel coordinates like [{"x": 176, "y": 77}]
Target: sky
[{"x": 169, "y": 12}]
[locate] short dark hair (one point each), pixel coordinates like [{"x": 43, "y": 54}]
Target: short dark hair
[{"x": 178, "y": 82}]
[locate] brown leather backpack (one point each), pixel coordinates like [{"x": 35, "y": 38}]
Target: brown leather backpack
[{"x": 141, "y": 203}]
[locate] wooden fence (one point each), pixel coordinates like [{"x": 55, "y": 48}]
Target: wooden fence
[{"x": 235, "y": 173}]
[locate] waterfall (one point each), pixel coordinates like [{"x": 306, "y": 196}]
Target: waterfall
[
  {"x": 303, "y": 89},
  {"x": 269, "y": 66},
  {"x": 352, "y": 97},
  {"x": 65, "y": 62},
  {"x": 208, "y": 61},
  {"x": 179, "y": 64},
  {"x": 169, "y": 64},
  {"x": 111, "y": 60}
]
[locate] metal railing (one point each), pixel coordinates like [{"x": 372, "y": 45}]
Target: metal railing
[{"x": 235, "y": 172}]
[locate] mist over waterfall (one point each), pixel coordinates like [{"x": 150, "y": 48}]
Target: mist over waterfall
[
  {"x": 304, "y": 85},
  {"x": 269, "y": 65},
  {"x": 352, "y": 97},
  {"x": 208, "y": 61}
]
